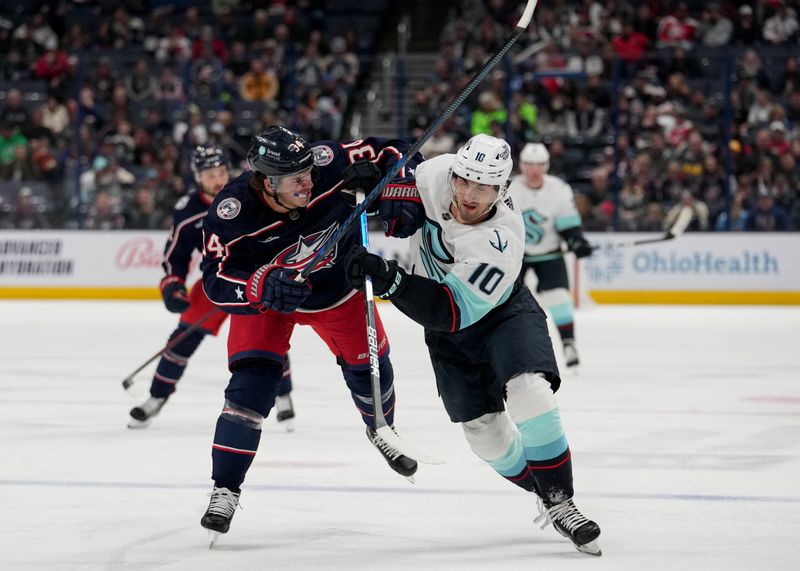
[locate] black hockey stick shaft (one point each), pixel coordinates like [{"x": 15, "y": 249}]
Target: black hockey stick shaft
[
  {"x": 128, "y": 381},
  {"x": 432, "y": 128}
]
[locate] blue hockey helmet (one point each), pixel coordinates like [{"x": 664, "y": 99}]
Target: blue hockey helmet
[
  {"x": 207, "y": 157},
  {"x": 277, "y": 151}
]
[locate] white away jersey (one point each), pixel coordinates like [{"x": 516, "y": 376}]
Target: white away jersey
[
  {"x": 479, "y": 263},
  {"x": 545, "y": 212}
]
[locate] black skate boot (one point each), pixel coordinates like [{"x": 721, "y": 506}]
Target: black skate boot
[
  {"x": 403, "y": 465},
  {"x": 571, "y": 354},
  {"x": 220, "y": 510},
  {"x": 570, "y": 523},
  {"x": 285, "y": 415},
  {"x": 143, "y": 414}
]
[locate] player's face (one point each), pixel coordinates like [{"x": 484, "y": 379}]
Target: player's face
[
  {"x": 534, "y": 173},
  {"x": 294, "y": 190},
  {"x": 212, "y": 180},
  {"x": 471, "y": 200}
]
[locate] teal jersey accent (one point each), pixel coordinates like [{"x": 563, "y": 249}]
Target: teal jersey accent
[
  {"x": 512, "y": 462},
  {"x": 570, "y": 221},
  {"x": 534, "y": 231},
  {"x": 562, "y": 313},
  {"x": 472, "y": 306},
  {"x": 543, "y": 257},
  {"x": 543, "y": 436}
]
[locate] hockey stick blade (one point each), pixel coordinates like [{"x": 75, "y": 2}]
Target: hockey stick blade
[
  {"x": 682, "y": 222},
  {"x": 680, "y": 225},
  {"x": 392, "y": 439}
]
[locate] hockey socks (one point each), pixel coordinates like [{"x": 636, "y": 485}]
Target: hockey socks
[
  {"x": 234, "y": 448},
  {"x": 173, "y": 363}
]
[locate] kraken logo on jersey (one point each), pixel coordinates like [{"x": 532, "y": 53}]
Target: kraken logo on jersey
[
  {"x": 533, "y": 226},
  {"x": 433, "y": 251},
  {"x": 299, "y": 254}
]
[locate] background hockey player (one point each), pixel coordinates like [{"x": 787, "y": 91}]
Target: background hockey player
[
  {"x": 263, "y": 227},
  {"x": 211, "y": 172},
  {"x": 548, "y": 210},
  {"x": 486, "y": 335}
]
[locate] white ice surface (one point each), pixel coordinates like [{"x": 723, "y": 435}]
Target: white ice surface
[{"x": 684, "y": 425}]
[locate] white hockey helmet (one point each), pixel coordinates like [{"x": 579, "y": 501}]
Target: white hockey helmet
[
  {"x": 487, "y": 160},
  {"x": 534, "y": 153}
]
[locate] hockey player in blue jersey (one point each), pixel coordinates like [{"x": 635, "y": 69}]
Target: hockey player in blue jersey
[
  {"x": 211, "y": 172},
  {"x": 263, "y": 228},
  {"x": 487, "y": 337}
]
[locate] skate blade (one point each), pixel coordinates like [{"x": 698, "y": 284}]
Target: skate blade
[
  {"x": 591, "y": 548},
  {"x": 410, "y": 479},
  {"x": 213, "y": 536},
  {"x": 139, "y": 424},
  {"x": 287, "y": 424}
]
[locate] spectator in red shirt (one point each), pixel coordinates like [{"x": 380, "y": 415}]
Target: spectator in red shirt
[
  {"x": 630, "y": 45},
  {"x": 677, "y": 29},
  {"x": 52, "y": 64}
]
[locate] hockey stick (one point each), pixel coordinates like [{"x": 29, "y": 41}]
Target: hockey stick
[
  {"x": 136, "y": 390},
  {"x": 682, "y": 222},
  {"x": 432, "y": 128},
  {"x": 381, "y": 426}
]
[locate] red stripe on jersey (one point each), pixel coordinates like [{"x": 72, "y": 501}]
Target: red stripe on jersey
[
  {"x": 233, "y": 450},
  {"x": 452, "y": 307}
]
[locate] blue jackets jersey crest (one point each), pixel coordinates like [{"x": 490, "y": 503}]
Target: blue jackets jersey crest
[{"x": 242, "y": 233}]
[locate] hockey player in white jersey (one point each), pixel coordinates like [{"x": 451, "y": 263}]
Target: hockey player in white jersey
[
  {"x": 548, "y": 211},
  {"x": 487, "y": 337}
]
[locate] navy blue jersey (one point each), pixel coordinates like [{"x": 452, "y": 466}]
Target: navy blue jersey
[
  {"x": 186, "y": 234},
  {"x": 242, "y": 233}
]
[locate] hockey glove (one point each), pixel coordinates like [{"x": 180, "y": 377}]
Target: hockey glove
[
  {"x": 361, "y": 175},
  {"x": 173, "y": 290},
  {"x": 400, "y": 208},
  {"x": 576, "y": 242},
  {"x": 387, "y": 277},
  {"x": 580, "y": 246},
  {"x": 275, "y": 288}
]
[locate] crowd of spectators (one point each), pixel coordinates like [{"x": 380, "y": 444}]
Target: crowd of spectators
[
  {"x": 645, "y": 106},
  {"x": 102, "y": 102}
]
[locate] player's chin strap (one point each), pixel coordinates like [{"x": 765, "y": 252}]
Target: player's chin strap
[{"x": 294, "y": 213}]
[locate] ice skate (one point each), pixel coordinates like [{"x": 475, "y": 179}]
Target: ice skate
[
  {"x": 285, "y": 412},
  {"x": 571, "y": 355},
  {"x": 403, "y": 465},
  {"x": 217, "y": 519},
  {"x": 142, "y": 415},
  {"x": 570, "y": 523}
]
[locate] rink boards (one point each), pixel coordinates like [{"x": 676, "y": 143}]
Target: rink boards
[{"x": 701, "y": 268}]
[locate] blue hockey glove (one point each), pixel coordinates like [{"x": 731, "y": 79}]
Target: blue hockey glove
[
  {"x": 400, "y": 208},
  {"x": 275, "y": 288},
  {"x": 387, "y": 276},
  {"x": 361, "y": 175},
  {"x": 173, "y": 291}
]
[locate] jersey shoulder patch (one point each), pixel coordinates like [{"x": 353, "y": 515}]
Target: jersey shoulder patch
[
  {"x": 323, "y": 155},
  {"x": 229, "y": 208}
]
